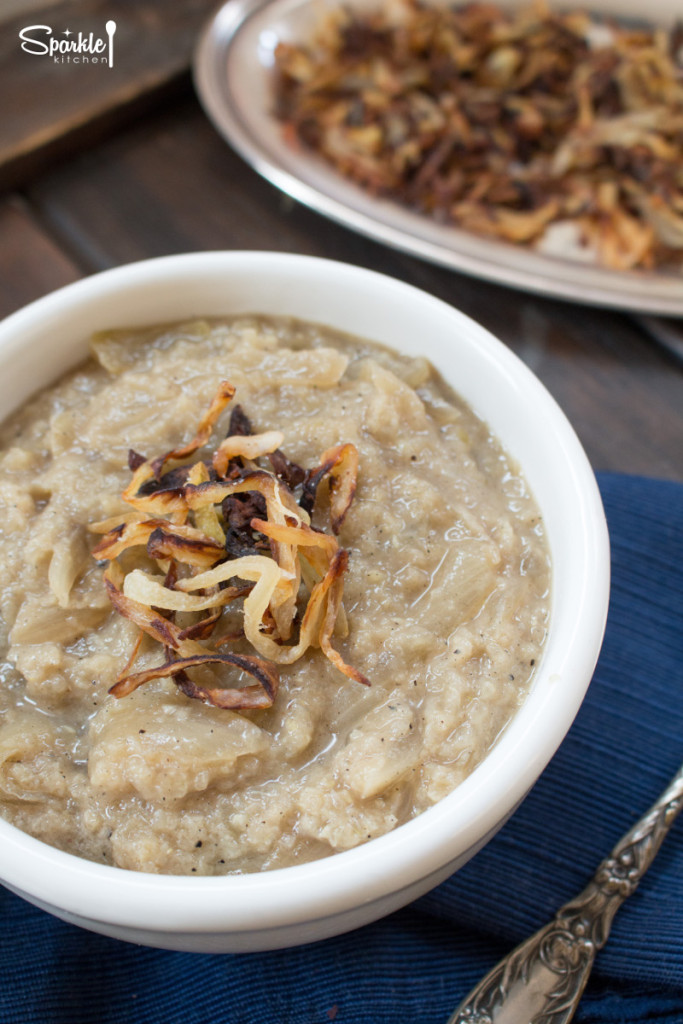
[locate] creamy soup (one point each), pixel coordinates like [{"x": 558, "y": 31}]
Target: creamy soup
[{"x": 437, "y": 634}]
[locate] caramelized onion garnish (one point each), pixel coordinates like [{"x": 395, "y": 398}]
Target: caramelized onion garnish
[
  {"x": 124, "y": 536},
  {"x": 148, "y": 619},
  {"x": 226, "y": 531},
  {"x": 246, "y": 447},
  {"x": 340, "y": 464},
  {"x": 336, "y": 574},
  {"x": 260, "y": 695},
  {"x": 206, "y": 425},
  {"x": 163, "y": 541},
  {"x": 200, "y": 551}
]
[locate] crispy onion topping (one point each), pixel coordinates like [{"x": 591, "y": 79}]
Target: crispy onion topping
[
  {"x": 229, "y": 536},
  {"x": 531, "y": 126}
]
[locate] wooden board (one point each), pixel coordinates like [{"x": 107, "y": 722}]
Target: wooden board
[{"x": 52, "y": 104}]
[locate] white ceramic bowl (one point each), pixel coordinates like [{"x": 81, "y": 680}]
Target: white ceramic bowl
[{"x": 314, "y": 901}]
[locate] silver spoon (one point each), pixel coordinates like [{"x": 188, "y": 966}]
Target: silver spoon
[{"x": 542, "y": 980}]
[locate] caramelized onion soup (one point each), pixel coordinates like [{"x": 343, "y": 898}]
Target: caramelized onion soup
[{"x": 416, "y": 652}]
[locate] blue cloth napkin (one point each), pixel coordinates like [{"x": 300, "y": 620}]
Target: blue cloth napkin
[{"x": 415, "y": 966}]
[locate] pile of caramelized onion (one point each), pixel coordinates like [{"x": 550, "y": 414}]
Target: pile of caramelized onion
[
  {"x": 227, "y": 532},
  {"x": 504, "y": 122}
]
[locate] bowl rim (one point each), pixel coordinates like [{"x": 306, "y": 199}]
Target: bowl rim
[{"x": 422, "y": 845}]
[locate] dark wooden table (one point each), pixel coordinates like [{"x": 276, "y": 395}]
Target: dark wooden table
[{"x": 159, "y": 180}]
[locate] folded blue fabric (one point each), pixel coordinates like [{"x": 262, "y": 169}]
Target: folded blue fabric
[{"x": 416, "y": 965}]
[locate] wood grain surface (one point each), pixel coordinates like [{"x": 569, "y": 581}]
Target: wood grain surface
[{"x": 31, "y": 263}]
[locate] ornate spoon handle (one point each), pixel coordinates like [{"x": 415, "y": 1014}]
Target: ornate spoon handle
[{"x": 542, "y": 980}]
